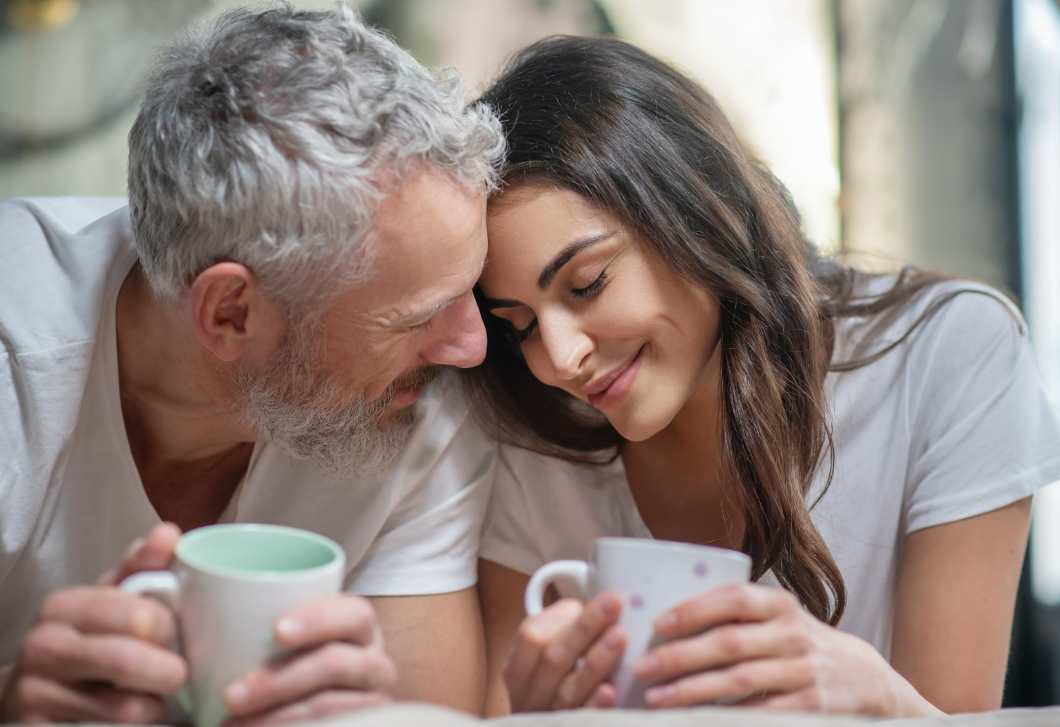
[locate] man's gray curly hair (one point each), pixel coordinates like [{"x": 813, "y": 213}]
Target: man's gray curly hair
[{"x": 260, "y": 141}]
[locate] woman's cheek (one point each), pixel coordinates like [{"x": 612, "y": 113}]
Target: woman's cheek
[{"x": 537, "y": 359}]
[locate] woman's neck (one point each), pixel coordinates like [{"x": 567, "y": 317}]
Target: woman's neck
[{"x": 676, "y": 475}]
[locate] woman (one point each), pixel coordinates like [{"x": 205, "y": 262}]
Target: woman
[{"x": 694, "y": 372}]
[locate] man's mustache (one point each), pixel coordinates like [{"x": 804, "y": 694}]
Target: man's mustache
[{"x": 414, "y": 379}]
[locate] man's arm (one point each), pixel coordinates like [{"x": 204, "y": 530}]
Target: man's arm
[{"x": 437, "y": 644}]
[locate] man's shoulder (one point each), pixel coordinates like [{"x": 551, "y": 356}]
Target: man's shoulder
[
  {"x": 69, "y": 213},
  {"x": 56, "y": 256}
]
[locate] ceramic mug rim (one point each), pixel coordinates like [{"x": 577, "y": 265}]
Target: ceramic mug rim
[
  {"x": 338, "y": 555},
  {"x": 671, "y": 546}
]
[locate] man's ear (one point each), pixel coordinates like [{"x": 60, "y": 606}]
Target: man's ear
[{"x": 229, "y": 310}]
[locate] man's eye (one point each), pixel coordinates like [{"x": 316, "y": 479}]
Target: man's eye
[
  {"x": 589, "y": 290},
  {"x": 425, "y": 325}
]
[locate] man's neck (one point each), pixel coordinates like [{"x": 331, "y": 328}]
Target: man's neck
[{"x": 177, "y": 401}]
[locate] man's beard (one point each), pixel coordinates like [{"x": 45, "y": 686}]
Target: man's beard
[{"x": 298, "y": 407}]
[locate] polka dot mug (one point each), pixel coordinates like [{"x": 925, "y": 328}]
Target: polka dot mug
[{"x": 652, "y": 576}]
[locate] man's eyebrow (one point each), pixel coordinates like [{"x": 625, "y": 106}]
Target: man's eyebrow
[
  {"x": 565, "y": 255},
  {"x": 427, "y": 314}
]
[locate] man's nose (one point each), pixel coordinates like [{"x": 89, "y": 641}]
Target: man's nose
[{"x": 459, "y": 337}]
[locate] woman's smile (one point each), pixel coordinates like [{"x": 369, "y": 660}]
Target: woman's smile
[{"x": 609, "y": 389}]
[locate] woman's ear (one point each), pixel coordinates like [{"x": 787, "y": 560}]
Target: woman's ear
[{"x": 229, "y": 310}]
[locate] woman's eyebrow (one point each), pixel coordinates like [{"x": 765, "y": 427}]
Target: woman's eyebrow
[
  {"x": 565, "y": 255},
  {"x": 492, "y": 303}
]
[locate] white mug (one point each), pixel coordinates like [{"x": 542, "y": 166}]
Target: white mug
[
  {"x": 227, "y": 587},
  {"x": 652, "y": 576}
]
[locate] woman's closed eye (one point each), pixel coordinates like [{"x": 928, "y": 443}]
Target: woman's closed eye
[
  {"x": 524, "y": 333},
  {"x": 521, "y": 334},
  {"x": 589, "y": 290}
]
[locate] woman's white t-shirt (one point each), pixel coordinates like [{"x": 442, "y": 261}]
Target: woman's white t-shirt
[{"x": 952, "y": 423}]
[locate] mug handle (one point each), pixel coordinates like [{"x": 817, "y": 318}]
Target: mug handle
[
  {"x": 575, "y": 570},
  {"x": 164, "y": 586},
  {"x": 160, "y": 584}
]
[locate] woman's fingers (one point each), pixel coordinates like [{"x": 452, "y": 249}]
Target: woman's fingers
[
  {"x": 548, "y": 646},
  {"x": 804, "y": 700},
  {"x": 581, "y": 685},
  {"x": 736, "y": 682},
  {"x": 532, "y": 638},
  {"x": 724, "y": 645},
  {"x": 604, "y": 697},
  {"x": 739, "y": 602}
]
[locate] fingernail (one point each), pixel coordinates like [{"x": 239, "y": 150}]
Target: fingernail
[
  {"x": 646, "y": 665},
  {"x": 613, "y": 641},
  {"x": 603, "y": 607},
  {"x": 666, "y": 622},
  {"x": 658, "y": 696},
  {"x": 290, "y": 630},
  {"x": 236, "y": 694}
]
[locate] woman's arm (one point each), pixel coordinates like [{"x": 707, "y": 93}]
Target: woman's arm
[{"x": 954, "y": 605}]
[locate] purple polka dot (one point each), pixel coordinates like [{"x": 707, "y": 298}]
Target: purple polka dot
[
  {"x": 636, "y": 601},
  {"x": 700, "y": 569}
]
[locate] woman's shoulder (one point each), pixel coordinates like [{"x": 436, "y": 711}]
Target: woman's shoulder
[
  {"x": 525, "y": 466},
  {"x": 951, "y": 317}
]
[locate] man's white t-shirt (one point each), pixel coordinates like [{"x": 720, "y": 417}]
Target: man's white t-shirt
[
  {"x": 952, "y": 423},
  {"x": 71, "y": 499}
]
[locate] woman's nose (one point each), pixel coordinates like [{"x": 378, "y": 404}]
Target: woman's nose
[{"x": 566, "y": 345}]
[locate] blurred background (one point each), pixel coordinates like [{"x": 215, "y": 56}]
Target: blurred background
[{"x": 920, "y": 131}]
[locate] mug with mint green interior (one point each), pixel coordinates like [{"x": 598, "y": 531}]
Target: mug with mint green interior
[{"x": 227, "y": 586}]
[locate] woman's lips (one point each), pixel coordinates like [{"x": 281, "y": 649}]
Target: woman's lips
[{"x": 616, "y": 384}]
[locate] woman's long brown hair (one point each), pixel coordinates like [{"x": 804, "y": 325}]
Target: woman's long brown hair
[{"x": 638, "y": 138}]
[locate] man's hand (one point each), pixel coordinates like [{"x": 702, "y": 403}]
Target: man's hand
[
  {"x": 98, "y": 654},
  {"x": 339, "y": 665}
]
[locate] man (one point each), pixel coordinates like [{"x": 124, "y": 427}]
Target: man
[{"x": 306, "y": 225}]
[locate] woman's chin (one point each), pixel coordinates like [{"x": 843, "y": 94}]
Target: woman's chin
[
  {"x": 636, "y": 429},
  {"x": 636, "y": 421}
]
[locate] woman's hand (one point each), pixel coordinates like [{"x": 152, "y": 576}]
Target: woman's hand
[
  {"x": 758, "y": 645},
  {"x": 561, "y": 657}
]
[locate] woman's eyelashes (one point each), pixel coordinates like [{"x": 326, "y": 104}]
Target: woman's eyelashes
[
  {"x": 524, "y": 333},
  {"x": 589, "y": 290}
]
